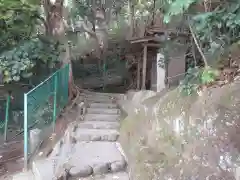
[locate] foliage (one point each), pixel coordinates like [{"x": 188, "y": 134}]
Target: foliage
[
  {"x": 216, "y": 28},
  {"x": 176, "y": 7},
  {"x": 219, "y": 28},
  {"x": 17, "y": 19},
  {"x": 79, "y": 9},
  {"x": 197, "y": 77},
  {"x": 19, "y": 61},
  {"x": 20, "y": 46},
  {"x": 143, "y": 9},
  {"x": 208, "y": 75}
]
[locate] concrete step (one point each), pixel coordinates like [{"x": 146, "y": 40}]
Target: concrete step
[
  {"x": 99, "y": 125},
  {"x": 103, "y": 111},
  {"x": 103, "y": 105},
  {"x": 102, "y": 117},
  {"x": 83, "y": 134},
  {"x": 90, "y": 158}
]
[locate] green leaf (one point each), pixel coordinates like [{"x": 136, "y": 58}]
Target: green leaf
[
  {"x": 7, "y": 79},
  {"x": 178, "y": 7},
  {"x": 16, "y": 78},
  {"x": 166, "y": 19},
  {"x": 209, "y": 75}
]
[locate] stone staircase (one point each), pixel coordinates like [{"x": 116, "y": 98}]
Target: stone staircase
[{"x": 89, "y": 151}]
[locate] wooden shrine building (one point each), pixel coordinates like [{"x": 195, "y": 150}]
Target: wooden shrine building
[{"x": 152, "y": 70}]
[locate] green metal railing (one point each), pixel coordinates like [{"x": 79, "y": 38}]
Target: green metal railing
[
  {"x": 43, "y": 104},
  {"x": 4, "y": 122}
]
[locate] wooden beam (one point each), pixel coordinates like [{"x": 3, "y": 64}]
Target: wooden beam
[
  {"x": 141, "y": 40},
  {"x": 144, "y": 68},
  {"x": 138, "y": 72}
]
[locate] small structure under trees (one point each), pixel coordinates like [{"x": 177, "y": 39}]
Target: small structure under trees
[{"x": 156, "y": 41}]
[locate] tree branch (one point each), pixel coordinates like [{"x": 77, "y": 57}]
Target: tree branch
[{"x": 198, "y": 46}]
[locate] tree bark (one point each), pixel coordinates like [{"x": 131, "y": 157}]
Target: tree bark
[
  {"x": 56, "y": 28},
  {"x": 131, "y": 17}
]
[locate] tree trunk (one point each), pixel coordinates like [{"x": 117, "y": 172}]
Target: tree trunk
[
  {"x": 67, "y": 60},
  {"x": 56, "y": 29},
  {"x": 131, "y": 17}
]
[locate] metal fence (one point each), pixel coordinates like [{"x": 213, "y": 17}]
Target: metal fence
[
  {"x": 42, "y": 105},
  {"x": 4, "y": 119}
]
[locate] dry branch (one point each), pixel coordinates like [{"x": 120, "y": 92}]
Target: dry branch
[{"x": 198, "y": 46}]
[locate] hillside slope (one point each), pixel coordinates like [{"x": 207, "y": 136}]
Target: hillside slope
[{"x": 168, "y": 136}]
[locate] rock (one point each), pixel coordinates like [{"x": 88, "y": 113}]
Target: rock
[
  {"x": 101, "y": 168},
  {"x": 96, "y": 135},
  {"x": 43, "y": 169},
  {"x": 34, "y": 139},
  {"x": 109, "y": 176},
  {"x": 81, "y": 171},
  {"x": 237, "y": 78},
  {"x": 103, "y": 111},
  {"x": 75, "y": 127},
  {"x": 118, "y": 166},
  {"x": 110, "y": 137},
  {"x": 23, "y": 176},
  {"x": 102, "y": 117},
  {"x": 102, "y": 105},
  {"x": 99, "y": 125}
]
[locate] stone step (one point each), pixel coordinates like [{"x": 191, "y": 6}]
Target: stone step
[
  {"x": 103, "y": 111},
  {"x": 43, "y": 169},
  {"x": 90, "y": 158},
  {"x": 102, "y": 94},
  {"x": 28, "y": 175},
  {"x": 102, "y": 117},
  {"x": 100, "y": 100},
  {"x": 97, "y": 97},
  {"x": 99, "y": 125},
  {"x": 110, "y": 176},
  {"x": 103, "y": 105},
  {"x": 83, "y": 134}
]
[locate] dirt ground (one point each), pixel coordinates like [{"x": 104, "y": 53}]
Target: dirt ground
[{"x": 11, "y": 153}]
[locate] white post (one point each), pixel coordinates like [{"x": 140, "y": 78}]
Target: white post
[{"x": 160, "y": 72}]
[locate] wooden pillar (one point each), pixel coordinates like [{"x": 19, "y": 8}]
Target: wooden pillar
[
  {"x": 138, "y": 73},
  {"x": 144, "y": 67}
]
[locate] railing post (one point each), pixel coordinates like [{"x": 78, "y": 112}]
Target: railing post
[
  {"x": 25, "y": 132},
  {"x": 66, "y": 83},
  {"x": 6, "y": 117},
  {"x": 55, "y": 101}
]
